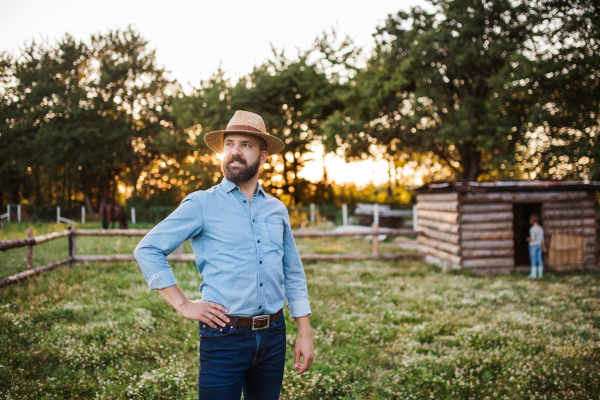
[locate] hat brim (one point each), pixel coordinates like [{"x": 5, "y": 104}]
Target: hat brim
[{"x": 214, "y": 140}]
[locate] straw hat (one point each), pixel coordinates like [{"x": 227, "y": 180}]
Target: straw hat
[{"x": 248, "y": 123}]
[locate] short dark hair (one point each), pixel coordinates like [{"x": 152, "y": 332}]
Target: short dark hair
[
  {"x": 263, "y": 144},
  {"x": 535, "y": 218}
]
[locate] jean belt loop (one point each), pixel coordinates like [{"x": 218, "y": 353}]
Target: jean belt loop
[{"x": 235, "y": 322}]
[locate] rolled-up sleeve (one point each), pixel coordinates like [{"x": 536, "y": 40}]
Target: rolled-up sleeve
[
  {"x": 151, "y": 253},
  {"x": 294, "y": 281}
]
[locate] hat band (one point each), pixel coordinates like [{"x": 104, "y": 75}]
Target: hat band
[{"x": 243, "y": 128}]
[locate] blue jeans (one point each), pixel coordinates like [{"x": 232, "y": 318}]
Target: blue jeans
[
  {"x": 535, "y": 255},
  {"x": 235, "y": 359}
]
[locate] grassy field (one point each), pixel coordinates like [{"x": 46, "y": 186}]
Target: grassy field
[{"x": 382, "y": 330}]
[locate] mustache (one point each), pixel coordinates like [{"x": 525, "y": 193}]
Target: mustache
[{"x": 236, "y": 158}]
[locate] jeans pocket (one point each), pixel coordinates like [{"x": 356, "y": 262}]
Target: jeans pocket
[
  {"x": 279, "y": 324},
  {"x": 208, "y": 332}
]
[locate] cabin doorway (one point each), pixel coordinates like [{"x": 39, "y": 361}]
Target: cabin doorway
[{"x": 522, "y": 213}]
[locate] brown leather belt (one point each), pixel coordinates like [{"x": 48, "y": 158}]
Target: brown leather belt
[{"x": 257, "y": 322}]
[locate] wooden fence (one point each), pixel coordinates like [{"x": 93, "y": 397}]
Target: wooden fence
[{"x": 178, "y": 256}]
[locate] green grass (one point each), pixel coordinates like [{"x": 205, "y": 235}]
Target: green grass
[{"x": 381, "y": 329}]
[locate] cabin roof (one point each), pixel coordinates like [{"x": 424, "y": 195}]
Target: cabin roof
[{"x": 508, "y": 186}]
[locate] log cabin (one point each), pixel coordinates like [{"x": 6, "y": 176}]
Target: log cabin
[{"x": 483, "y": 226}]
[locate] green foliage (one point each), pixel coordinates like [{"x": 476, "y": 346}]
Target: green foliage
[
  {"x": 494, "y": 89},
  {"x": 76, "y": 117},
  {"x": 437, "y": 83},
  {"x": 292, "y": 97},
  {"x": 475, "y": 90},
  {"x": 566, "y": 91}
]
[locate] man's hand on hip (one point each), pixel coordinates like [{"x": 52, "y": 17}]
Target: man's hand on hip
[
  {"x": 197, "y": 310},
  {"x": 205, "y": 311}
]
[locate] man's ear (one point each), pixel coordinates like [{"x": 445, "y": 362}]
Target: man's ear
[{"x": 263, "y": 157}]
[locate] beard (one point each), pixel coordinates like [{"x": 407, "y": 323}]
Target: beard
[{"x": 239, "y": 174}]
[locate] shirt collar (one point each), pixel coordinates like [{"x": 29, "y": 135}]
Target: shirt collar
[{"x": 229, "y": 186}]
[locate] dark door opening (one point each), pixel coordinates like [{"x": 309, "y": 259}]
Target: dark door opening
[{"x": 522, "y": 212}]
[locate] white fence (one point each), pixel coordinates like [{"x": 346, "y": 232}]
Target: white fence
[{"x": 7, "y": 214}]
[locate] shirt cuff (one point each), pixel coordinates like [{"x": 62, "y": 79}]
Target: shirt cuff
[
  {"x": 299, "y": 308},
  {"x": 162, "y": 279}
]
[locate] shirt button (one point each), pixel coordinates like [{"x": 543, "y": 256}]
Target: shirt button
[
  {"x": 259, "y": 307},
  {"x": 261, "y": 284},
  {"x": 253, "y": 220},
  {"x": 258, "y": 241},
  {"x": 260, "y": 262},
  {"x": 245, "y": 201}
]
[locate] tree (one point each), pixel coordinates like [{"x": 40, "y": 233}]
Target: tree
[
  {"x": 79, "y": 118},
  {"x": 441, "y": 82},
  {"x": 294, "y": 99},
  {"x": 186, "y": 163},
  {"x": 567, "y": 92},
  {"x": 12, "y": 149},
  {"x": 34, "y": 96},
  {"x": 128, "y": 98}
]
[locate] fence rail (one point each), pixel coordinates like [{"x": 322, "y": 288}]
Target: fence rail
[{"x": 178, "y": 255}]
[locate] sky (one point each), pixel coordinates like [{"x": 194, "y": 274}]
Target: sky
[{"x": 193, "y": 38}]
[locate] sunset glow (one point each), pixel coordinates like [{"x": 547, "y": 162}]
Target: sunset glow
[{"x": 360, "y": 173}]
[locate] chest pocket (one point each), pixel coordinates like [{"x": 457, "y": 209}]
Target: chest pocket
[{"x": 275, "y": 229}]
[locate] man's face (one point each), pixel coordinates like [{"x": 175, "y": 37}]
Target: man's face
[{"x": 242, "y": 157}]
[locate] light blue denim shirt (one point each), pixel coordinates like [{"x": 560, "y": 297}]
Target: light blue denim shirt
[{"x": 245, "y": 252}]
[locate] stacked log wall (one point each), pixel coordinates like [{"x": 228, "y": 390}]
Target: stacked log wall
[
  {"x": 438, "y": 220},
  {"x": 579, "y": 217},
  {"x": 486, "y": 233}
]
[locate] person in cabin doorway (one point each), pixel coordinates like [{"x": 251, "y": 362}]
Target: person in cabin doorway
[
  {"x": 537, "y": 245},
  {"x": 245, "y": 251}
]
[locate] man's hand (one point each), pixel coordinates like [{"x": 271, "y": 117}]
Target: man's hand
[
  {"x": 304, "y": 346},
  {"x": 205, "y": 311},
  {"x": 196, "y": 310},
  {"x": 304, "y": 349}
]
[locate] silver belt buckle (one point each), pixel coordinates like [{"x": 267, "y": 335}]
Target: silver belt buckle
[{"x": 268, "y": 317}]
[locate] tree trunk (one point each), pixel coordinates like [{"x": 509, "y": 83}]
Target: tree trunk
[
  {"x": 14, "y": 196},
  {"x": 86, "y": 195},
  {"x": 88, "y": 202},
  {"x": 469, "y": 160},
  {"x": 390, "y": 181},
  {"x": 38, "y": 189},
  {"x": 105, "y": 190}
]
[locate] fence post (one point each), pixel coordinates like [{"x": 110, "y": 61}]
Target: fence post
[
  {"x": 376, "y": 214},
  {"x": 72, "y": 244},
  {"x": 344, "y": 214},
  {"x": 133, "y": 215},
  {"x": 18, "y": 213},
  {"x": 415, "y": 220},
  {"x": 8, "y": 211},
  {"x": 375, "y": 241},
  {"x": 312, "y": 213},
  {"x": 57, "y": 214},
  {"x": 29, "y": 249},
  {"x": 82, "y": 215}
]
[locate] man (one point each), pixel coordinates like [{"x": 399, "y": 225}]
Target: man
[{"x": 245, "y": 251}]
